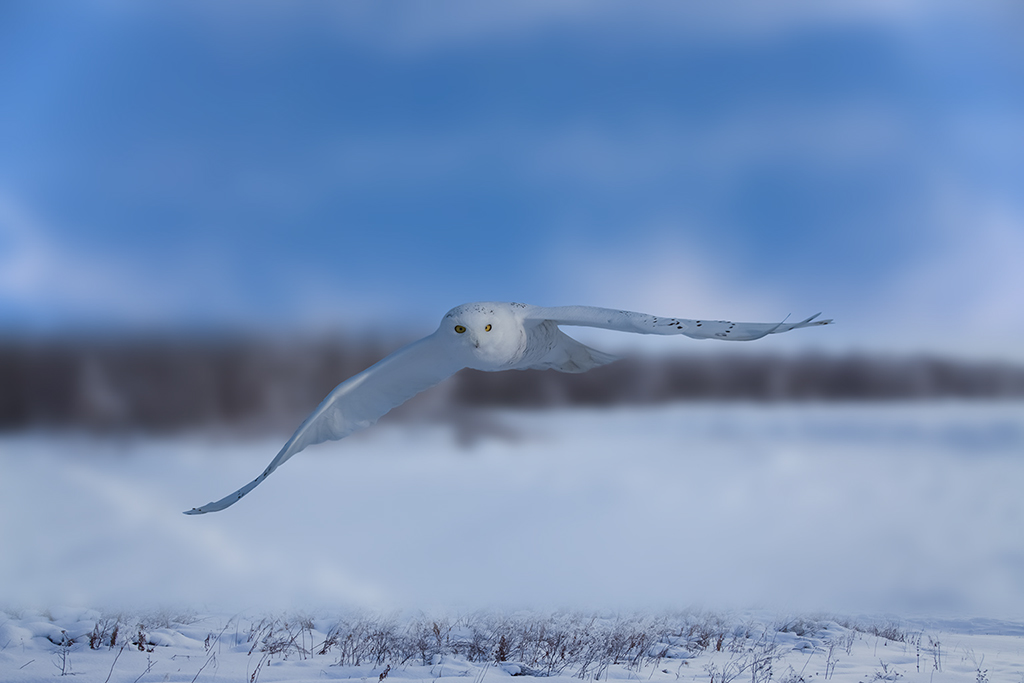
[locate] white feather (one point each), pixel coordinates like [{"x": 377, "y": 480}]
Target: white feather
[{"x": 643, "y": 323}]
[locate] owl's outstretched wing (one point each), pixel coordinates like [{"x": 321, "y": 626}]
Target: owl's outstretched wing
[
  {"x": 642, "y": 323},
  {"x": 359, "y": 402}
]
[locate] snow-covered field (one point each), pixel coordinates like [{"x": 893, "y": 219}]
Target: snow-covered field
[
  {"x": 693, "y": 646},
  {"x": 754, "y": 513}
]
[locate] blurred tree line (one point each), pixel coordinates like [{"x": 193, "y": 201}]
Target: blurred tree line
[{"x": 161, "y": 385}]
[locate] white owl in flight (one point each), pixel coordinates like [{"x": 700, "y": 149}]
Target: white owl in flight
[{"x": 488, "y": 336}]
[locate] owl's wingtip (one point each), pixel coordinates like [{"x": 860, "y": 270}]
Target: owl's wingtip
[{"x": 814, "y": 321}]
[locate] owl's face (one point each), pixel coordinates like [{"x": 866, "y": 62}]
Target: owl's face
[{"x": 489, "y": 333}]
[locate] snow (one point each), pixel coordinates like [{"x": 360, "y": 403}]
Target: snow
[
  {"x": 911, "y": 510},
  {"x": 689, "y": 646}
]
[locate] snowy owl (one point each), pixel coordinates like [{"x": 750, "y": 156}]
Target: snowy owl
[{"x": 488, "y": 336}]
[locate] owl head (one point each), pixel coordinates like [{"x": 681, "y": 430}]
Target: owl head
[{"x": 490, "y": 334}]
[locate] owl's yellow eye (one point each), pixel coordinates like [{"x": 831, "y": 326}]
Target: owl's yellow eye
[
  {"x": 460, "y": 329},
  {"x": 488, "y": 328}
]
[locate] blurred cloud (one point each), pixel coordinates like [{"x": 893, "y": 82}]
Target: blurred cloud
[
  {"x": 660, "y": 146},
  {"x": 415, "y": 29},
  {"x": 316, "y": 165},
  {"x": 36, "y": 273},
  {"x": 50, "y": 284},
  {"x": 966, "y": 284}
]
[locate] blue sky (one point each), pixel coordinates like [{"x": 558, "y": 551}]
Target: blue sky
[{"x": 276, "y": 166}]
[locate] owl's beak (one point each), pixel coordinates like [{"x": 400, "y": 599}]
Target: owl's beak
[{"x": 475, "y": 339}]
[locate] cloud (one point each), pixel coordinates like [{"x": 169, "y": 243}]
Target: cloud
[
  {"x": 653, "y": 149},
  {"x": 35, "y": 272},
  {"x": 60, "y": 285},
  {"x": 963, "y": 291},
  {"x": 413, "y": 29},
  {"x": 24, "y": 256},
  {"x": 658, "y": 146},
  {"x": 45, "y": 283}
]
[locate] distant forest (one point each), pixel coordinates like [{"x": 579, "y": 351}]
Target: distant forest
[{"x": 154, "y": 385}]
